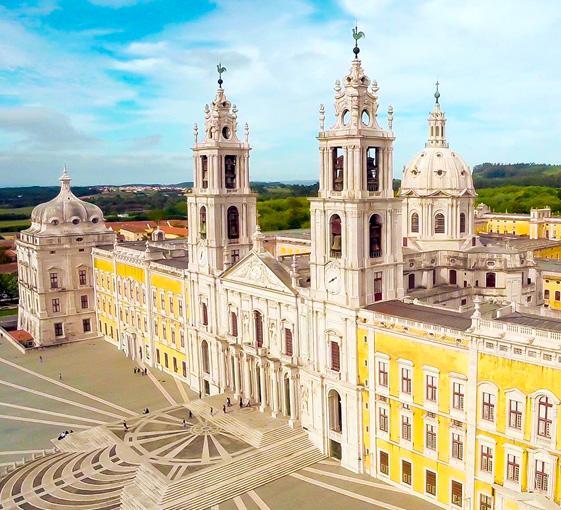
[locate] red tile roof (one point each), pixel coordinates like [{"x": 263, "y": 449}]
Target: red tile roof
[
  {"x": 10, "y": 267},
  {"x": 20, "y": 335}
]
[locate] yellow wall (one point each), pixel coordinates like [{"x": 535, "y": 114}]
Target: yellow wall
[
  {"x": 520, "y": 227},
  {"x": 553, "y": 285}
]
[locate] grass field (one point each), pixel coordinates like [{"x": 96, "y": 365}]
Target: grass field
[
  {"x": 16, "y": 210},
  {"x": 8, "y": 311},
  {"x": 14, "y": 223}
]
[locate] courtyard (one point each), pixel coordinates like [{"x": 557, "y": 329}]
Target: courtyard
[{"x": 91, "y": 386}]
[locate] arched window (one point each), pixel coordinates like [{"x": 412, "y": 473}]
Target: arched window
[
  {"x": 205, "y": 359},
  {"x": 204, "y": 172},
  {"x": 335, "y": 414},
  {"x": 453, "y": 277},
  {"x": 233, "y": 223},
  {"x": 411, "y": 281},
  {"x": 490, "y": 280},
  {"x": 439, "y": 224},
  {"x": 462, "y": 223},
  {"x": 335, "y": 236},
  {"x": 234, "y": 324},
  {"x": 230, "y": 172},
  {"x": 375, "y": 236},
  {"x": 415, "y": 223},
  {"x": 372, "y": 169},
  {"x": 258, "y": 328},
  {"x": 202, "y": 222},
  {"x": 338, "y": 164}
]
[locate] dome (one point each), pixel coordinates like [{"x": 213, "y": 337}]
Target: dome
[
  {"x": 66, "y": 213},
  {"x": 437, "y": 169}
]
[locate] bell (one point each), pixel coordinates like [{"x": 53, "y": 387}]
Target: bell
[{"x": 336, "y": 242}]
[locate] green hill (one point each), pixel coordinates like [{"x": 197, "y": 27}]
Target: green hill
[{"x": 494, "y": 175}]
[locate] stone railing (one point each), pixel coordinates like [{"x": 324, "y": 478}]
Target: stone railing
[{"x": 6, "y": 469}]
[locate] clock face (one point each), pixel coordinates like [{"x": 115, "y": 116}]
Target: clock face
[{"x": 332, "y": 280}]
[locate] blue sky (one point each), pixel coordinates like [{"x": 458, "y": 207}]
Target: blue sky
[{"x": 112, "y": 88}]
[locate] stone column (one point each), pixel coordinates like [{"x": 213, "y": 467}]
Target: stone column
[
  {"x": 236, "y": 387},
  {"x": 275, "y": 391},
  {"x": 293, "y": 412},
  {"x": 263, "y": 388},
  {"x": 246, "y": 376}
]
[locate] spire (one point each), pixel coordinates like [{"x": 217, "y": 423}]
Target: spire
[
  {"x": 65, "y": 179},
  {"x": 437, "y": 123}
]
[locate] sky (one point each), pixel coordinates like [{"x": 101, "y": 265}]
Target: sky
[{"x": 112, "y": 88}]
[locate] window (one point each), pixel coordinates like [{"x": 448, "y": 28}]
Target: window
[
  {"x": 544, "y": 417},
  {"x": 557, "y": 295},
  {"x": 378, "y": 286},
  {"x": 431, "y": 389},
  {"x": 205, "y": 357},
  {"x": 384, "y": 463},
  {"x": 406, "y": 427},
  {"x": 375, "y": 236},
  {"x": 406, "y": 472},
  {"x": 490, "y": 280},
  {"x": 485, "y": 502},
  {"x": 84, "y": 301},
  {"x": 184, "y": 368},
  {"x": 234, "y": 324},
  {"x": 335, "y": 356},
  {"x": 411, "y": 281},
  {"x": 82, "y": 277},
  {"x": 430, "y": 482},
  {"x": 456, "y": 493},
  {"x": 372, "y": 169},
  {"x": 204, "y": 172},
  {"x": 383, "y": 419},
  {"x": 415, "y": 223},
  {"x": 512, "y": 468},
  {"x": 170, "y": 300},
  {"x": 488, "y": 409},
  {"x": 338, "y": 165},
  {"x": 430, "y": 436},
  {"x": 180, "y": 306},
  {"x": 166, "y": 360},
  {"x": 234, "y": 256},
  {"x": 204, "y": 314},
  {"x": 230, "y": 172},
  {"x": 406, "y": 380},
  {"x": 383, "y": 379},
  {"x": 158, "y": 356},
  {"x": 462, "y": 223},
  {"x": 515, "y": 414},
  {"x": 86, "y": 325},
  {"x": 541, "y": 481},
  {"x": 439, "y": 224},
  {"x": 182, "y": 338},
  {"x": 233, "y": 218},
  {"x": 56, "y": 305},
  {"x": 202, "y": 222},
  {"x": 486, "y": 463},
  {"x": 288, "y": 341},
  {"x": 458, "y": 396},
  {"x": 174, "y": 364},
  {"x": 54, "y": 280},
  {"x": 335, "y": 245},
  {"x": 457, "y": 446},
  {"x": 453, "y": 277},
  {"x": 58, "y": 329},
  {"x": 162, "y": 302},
  {"x": 258, "y": 328}
]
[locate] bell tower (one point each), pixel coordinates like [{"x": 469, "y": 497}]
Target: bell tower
[
  {"x": 356, "y": 256},
  {"x": 221, "y": 208}
]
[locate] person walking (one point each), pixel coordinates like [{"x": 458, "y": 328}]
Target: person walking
[
  {"x": 224, "y": 408},
  {"x": 40, "y": 359},
  {"x": 60, "y": 376}
]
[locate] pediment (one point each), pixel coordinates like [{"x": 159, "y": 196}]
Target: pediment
[{"x": 260, "y": 270}]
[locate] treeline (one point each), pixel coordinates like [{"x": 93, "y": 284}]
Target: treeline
[
  {"x": 495, "y": 175},
  {"x": 283, "y": 213},
  {"x": 26, "y": 196},
  {"x": 520, "y": 199}
]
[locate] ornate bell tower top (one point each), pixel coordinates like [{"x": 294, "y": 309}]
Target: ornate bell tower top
[{"x": 437, "y": 124}]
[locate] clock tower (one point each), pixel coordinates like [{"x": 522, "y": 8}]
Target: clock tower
[
  {"x": 221, "y": 208},
  {"x": 356, "y": 256}
]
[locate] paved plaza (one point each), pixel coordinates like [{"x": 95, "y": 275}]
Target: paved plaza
[{"x": 185, "y": 451}]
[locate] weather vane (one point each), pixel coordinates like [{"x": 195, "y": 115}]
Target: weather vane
[
  {"x": 221, "y": 69},
  {"x": 356, "y": 36}
]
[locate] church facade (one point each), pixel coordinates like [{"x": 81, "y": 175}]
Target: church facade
[{"x": 406, "y": 345}]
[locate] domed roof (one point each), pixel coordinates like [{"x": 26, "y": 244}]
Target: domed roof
[
  {"x": 66, "y": 213},
  {"x": 437, "y": 169}
]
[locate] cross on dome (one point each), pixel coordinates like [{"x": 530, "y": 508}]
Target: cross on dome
[{"x": 437, "y": 123}]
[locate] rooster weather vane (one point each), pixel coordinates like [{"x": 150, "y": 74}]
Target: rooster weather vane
[
  {"x": 221, "y": 69},
  {"x": 356, "y": 36}
]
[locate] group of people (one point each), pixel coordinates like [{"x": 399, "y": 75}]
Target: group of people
[
  {"x": 62, "y": 435},
  {"x": 141, "y": 371}
]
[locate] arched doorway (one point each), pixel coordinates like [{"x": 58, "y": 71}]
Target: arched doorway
[{"x": 335, "y": 422}]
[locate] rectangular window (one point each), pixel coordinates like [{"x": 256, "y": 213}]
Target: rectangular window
[
  {"x": 56, "y": 305},
  {"x": 541, "y": 483},
  {"x": 406, "y": 427},
  {"x": 158, "y": 356},
  {"x": 515, "y": 414},
  {"x": 204, "y": 313},
  {"x": 544, "y": 417},
  {"x": 86, "y": 325},
  {"x": 512, "y": 468},
  {"x": 234, "y": 324},
  {"x": 384, "y": 463},
  {"x": 335, "y": 359},
  {"x": 288, "y": 341},
  {"x": 234, "y": 256},
  {"x": 431, "y": 388},
  {"x": 84, "y": 301},
  {"x": 182, "y": 338},
  {"x": 166, "y": 360},
  {"x": 458, "y": 396},
  {"x": 456, "y": 496},
  {"x": 430, "y": 482},
  {"x": 486, "y": 459},
  {"x": 82, "y": 276},
  {"x": 406, "y": 472},
  {"x": 338, "y": 166},
  {"x": 180, "y": 307},
  {"x": 164, "y": 332},
  {"x": 58, "y": 329},
  {"x": 430, "y": 436},
  {"x": 184, "y": 368},
  {"x": 230, "y": 181},
  {"x": 488, "y": 409},
  {"x": 372, "y": 169},
  {"x": 378, "y": 286},
  {"x": 457, "y": 446},
  {"x": 383, "y": 377},
  {"x": 171, "y": 304},
  {"x": 174, "y": 364},
  {"x": 406, "y": 380},
  {"x": 383, "y": 419},
  {"x": 162, "y": 302},
  {"x": 53, "y": 277},
  {"x": 485, "y": 502}
]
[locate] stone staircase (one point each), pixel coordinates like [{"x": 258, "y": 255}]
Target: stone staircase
[{"x": 216, "y": 484}]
